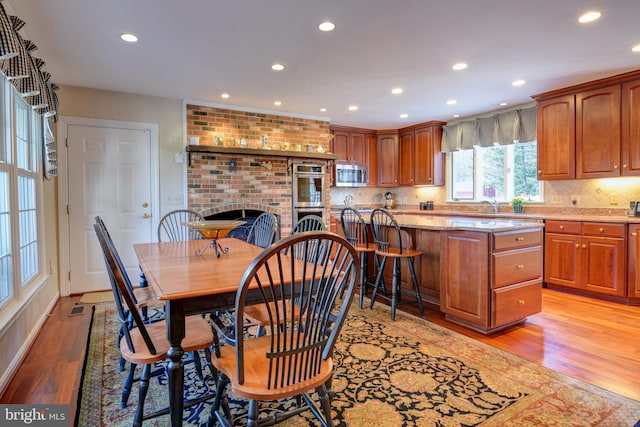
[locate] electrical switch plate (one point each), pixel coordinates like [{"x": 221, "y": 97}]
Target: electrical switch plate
[{"x": 613, "y": 199}]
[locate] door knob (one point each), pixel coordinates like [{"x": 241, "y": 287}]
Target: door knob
[
  {"x": 146, "y": 215},
  {"x": 145, "y": 205}
]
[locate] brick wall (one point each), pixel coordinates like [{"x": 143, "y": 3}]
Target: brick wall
[{"x": 213, "y": 188}]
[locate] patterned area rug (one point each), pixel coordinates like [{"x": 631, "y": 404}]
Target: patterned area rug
[{"x": 410, "y": 372}]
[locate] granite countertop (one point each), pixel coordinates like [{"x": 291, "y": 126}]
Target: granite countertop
[
  {"x": 562, "y": 216},
  {"x": 442, "y": 223}
]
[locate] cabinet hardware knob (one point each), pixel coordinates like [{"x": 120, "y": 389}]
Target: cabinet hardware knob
[
  {"x": 562, "y": 227},
  {"x": 615, "y": 166},
  {"x": 624, "y": 166},
  {"x": 577, "y": 245},
  {"x": 519, "y": 239},
  {"x": 584, "y": 246},
  {"x": 539, "y": 172},
  {"x": 601, "y": 230},
  {"x": 633, "y": 234},
  {"x": 520, "y": 266},
  {"x": 521, "y": 301}
]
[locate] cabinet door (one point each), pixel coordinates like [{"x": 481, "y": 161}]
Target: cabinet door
[
  {"x": 405, "y": 159},
  {"x": 387, "y": 160},
  {"x": 339, "y": 146},
  {"x": 603, "y": 261},
  {"x": 562, "y": 259},
  {"x": 357, "y": 147},
  {"x": 556, "y": 138},
  {"x": 630, "y": 132},
  {"x": 633, "y": 245},
  {"x": 427, "y": 159},
  {"x": 464, "y": 276},
  {"x": 598, "y": 133},
  {"x": 372, "y": 161}
]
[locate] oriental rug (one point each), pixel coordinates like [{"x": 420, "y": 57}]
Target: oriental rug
[{"x": 410, "y": 372}]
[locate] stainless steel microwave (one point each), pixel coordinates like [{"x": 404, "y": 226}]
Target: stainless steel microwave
[{"x": 351, "y": 176}]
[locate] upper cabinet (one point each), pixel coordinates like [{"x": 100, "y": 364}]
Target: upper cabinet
[
  {"x": 350, "y": 146},
  {"x": 420, "y": 160},
  {"x": 387, "y": 151},
  {"x": 591, "y": 130}
]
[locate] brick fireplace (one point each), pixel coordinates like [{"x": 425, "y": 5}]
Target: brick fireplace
[{"x": 247, "y": 179}]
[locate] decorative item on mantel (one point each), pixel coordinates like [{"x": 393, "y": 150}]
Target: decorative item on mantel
[{"x": 518, "y": 204}]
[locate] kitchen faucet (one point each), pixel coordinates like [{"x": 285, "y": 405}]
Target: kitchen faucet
[{"x": 494, "y": 203}]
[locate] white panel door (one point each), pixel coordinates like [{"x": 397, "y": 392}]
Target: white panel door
[{"x": 110, "y": 176}]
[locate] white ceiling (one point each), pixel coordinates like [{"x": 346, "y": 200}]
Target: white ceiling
[{"x": 198, "y": 49}]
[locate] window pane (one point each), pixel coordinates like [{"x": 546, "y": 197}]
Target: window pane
[
  {"x": 28, "y": 227},
  {"x": 5, "y": 239},
  {"x": 24, "y": 140},
  {"x": 462, "y": 182},
  {"x": 525, "y": 171},
  {"x": 491, "y": 168}
]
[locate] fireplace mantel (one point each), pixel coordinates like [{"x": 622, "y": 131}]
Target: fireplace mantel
[{"x": 258, "y": 152}]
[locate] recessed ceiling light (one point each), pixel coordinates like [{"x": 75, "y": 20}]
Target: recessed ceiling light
[
  {"x": 278, "y": 103},
  {"x": 456, "y": 115},
  {"x": 277, "y": 67},
  {"x": 459, "y": 66},
  {"x": 404, "y": 115},
  {"x": 636, "y": 48},
  {"x": 518, "y": 82},
  {"x": 452, "y": 102},
  {"x": 327, "y": 26},
  {"x": 592, "y": 15},
  {"x": 323, "y": 109},
  {"x": 353, "y": 107},
  {"x": 128, "y": 37},
  {"x": 225, "y": 95},
  {"x": 397, "y": 90},
  {"x": 502, "y": 104}
]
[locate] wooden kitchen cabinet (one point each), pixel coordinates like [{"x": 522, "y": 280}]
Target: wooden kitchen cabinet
[
  {"x": 420, "y": 160},
  {"x": 349, "y": 145},
  {"x": 372, "y": 160},
  {"x": 590, "y": 130},
  {"x": 490, "y": 281},
  {"x": 633, "y": 277},
  {"x": 387, "y": 152},
  {"x": 586, "y": 256}
]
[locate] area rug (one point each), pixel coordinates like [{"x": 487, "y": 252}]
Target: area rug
[
  {"x": 410, "y": 372},
  {"x": 96, "y": 297}
]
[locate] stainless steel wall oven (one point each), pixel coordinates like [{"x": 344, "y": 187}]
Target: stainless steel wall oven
[{"x": 309, "y": 190}]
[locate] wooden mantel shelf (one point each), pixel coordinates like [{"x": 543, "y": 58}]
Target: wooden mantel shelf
[{"x": 258, "y": 152}]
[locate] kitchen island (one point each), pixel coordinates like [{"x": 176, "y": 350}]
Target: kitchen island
[{"x": 485, "y": 274}]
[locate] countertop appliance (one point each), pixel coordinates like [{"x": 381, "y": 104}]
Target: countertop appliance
[{"x": 350, "y": 175}]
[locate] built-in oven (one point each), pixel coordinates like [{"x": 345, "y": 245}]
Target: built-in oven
[{"x": 309, "y": 190}]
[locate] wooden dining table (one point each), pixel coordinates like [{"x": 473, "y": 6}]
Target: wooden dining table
[{"x": 191, "y": 284}]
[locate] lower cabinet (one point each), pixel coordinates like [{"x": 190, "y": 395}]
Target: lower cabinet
[
  {"x": 633, "y": 276},
  {"x": 491, "y": 280},
  {"x": 587, "y": 257}
]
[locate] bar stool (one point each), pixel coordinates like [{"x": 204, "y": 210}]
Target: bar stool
[
  {"x": 389, "y": 244},
  {"x": 356, "y": 232}
]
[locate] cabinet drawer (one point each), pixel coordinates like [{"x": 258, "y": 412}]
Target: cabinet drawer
[
  {"x": 564, "y": 227},
  {"x": 516, "y": 266},
  {"x": 517, "y": 239},
  {"x": 603, "y": 229},
  {"x": 516, "y": 302}
]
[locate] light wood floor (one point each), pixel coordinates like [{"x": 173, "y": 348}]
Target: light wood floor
[{"x": 594, "y": 341}]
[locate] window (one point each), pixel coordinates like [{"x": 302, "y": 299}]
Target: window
[
  {"x": 500, "y": 171},
  {"x": 20, "y": 195}
]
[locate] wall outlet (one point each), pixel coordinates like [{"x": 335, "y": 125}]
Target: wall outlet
[
  {"x": 556, "y": 199},
  {"x": 613, "y": 199},
  {"x": 575, "y": 200}
]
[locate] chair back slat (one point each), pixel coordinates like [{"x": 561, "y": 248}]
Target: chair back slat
[
  {"x": 172, "y": 229},
  {"x": 302, "y": 299},
  {"x": 309, "y": 223},
  {"x": 123, "y": 295},
  {"x": 264, "y": 230},
  {"x": 354, "y": 227}
]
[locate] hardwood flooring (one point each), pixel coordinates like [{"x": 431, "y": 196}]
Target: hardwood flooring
[{"x": 591, "y": 340}]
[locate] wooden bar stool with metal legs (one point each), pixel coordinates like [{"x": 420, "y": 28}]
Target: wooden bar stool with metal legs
[
  {"x": 389, "y": 244},
  {"x": 356, "y": 232}
]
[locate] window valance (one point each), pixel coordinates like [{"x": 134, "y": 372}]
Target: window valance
[{"x": 508, "y": 127}]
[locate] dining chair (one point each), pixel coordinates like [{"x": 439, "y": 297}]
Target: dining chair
[
  {"x": 356, "y": 232},
  {"x": 294, "y": 358},
  {"x": 146, "y": 343},
  {"x": 389, "y": 244},
  {"x": 264, "y": 230},
  {"x": 171, "y": 227},
  {"x": 309, "y": 223}
]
